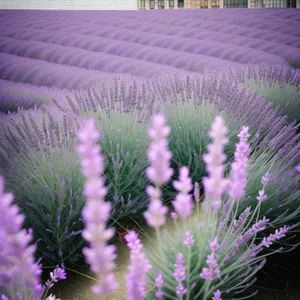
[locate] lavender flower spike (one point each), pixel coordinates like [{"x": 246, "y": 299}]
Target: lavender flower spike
[
  {"x": 215, "y": 184},
  {"x": 138, "y": 268},
  {"x": 159, "y": 282},
  {"x": 96, "y": 211},
  {"x": 217, "y": 295},
  {"x": 17, "y": 257},
  {"x": 179, "y": 275},
  {"x": 261, "y": 196},
  {"x": 238, "y": 180},
  {"x": 183, "y": 202},
  {"x": 159, "y": 171},
  {"x": 213, "y": 271}
]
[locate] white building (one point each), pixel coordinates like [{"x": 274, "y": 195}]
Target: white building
[
  {"x": 70, "y": 4},
  {"x": 141, "y": 4}
]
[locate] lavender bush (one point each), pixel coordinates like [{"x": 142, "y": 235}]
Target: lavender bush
[{"x": 183, "y": 266}]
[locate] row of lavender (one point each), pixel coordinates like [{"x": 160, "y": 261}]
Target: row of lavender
[{"x": 85, "y": 48}]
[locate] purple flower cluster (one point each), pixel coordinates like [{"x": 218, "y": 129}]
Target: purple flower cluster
[
  {"x": 16, "y": 255},
  {"x": 215, "y": 184},
  {"x": 179, "y": 274},
  {"x": 96, "y": 211},
  {"x": 217, "y": 295},
  {"x": 213, "y": 271},
  {"x": 138, "y": 268},
  {"x": 268, "y": 241},
  {"x": 238, "y": 180},
  {"x": 159, "y": 172},
  {"x": 159, "y": 282},
  {"x": 183, "y": 203},
  {"x": 257, "y": 227}
]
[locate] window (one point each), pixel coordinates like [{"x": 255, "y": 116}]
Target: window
[
  {"x": 180, "y": 3},
  {"x": 161, "y": 4},
  {"x": 152, "y": 4},
  {"x": 171, "y": 3},
  {"x": 235, "y": 3}
]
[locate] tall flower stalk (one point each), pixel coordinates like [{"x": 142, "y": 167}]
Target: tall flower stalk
[
  {"x": 17, "y": 265},
  {"x": 96, "y": 211},
  {"x": 159, "y": 172}
]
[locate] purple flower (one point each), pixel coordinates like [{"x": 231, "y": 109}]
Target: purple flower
[
  {"x": 217, "y": 295},
  {"x": 159, "y": 282},
  {"x": 159, "y": 171},
  {"x": 156, "y": 214},
  {"x": 179, "y": 274},
  {"x": 267, "y": 242},
  {"x": 173, "y": 215},
  {"x": 297, "y": 169},
  {"x": 3, "y": 297},
  {"x": 243, "y": 216},
  {"x": 215, "y": 184},
  {"x": 189, "y": 239},
  {"x": 261, "y": 196},
  {"x": 213, "y": 271},
  {"x": 96, "y": 211},
  {"x": 57, "y": 274},
  {"x": 238, "y": 180},
  {"x": 139, "y": 266},
  {"x": 266, "y": 179},
  {"x": 17, "y": 257},
  {"x": 183, "y": 203}
]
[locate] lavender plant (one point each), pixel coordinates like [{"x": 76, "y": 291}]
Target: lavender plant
[
  {"x": 277, "y": 83},
  {"x": 19, "y": 273},
  {"x": 212, "y": 254}
]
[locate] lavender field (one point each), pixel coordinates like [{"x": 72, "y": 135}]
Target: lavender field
[{"x": 157, "y": 151}]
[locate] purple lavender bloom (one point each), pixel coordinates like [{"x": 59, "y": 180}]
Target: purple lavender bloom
[
  {"x": 57, "y": 274},
  {"x": 17, "y": 257},
  {"x": 215, "y": 184},
  {"x": 3, "y": 297},
  {"x": 179, "y": 274},
  {"x": 159, "y": 282},
  {"x": 173, "y": 215},
  {"x": 217, "y": 295},
  {"x": 243, "y": 216},
  {"x": 159, "y": 171},
  {"x": 183, "y": 203},
  {"x": 267, "y": 242},
  {"x": 257, "y": 227},
  {"x": 238, "y": 180},
  {"x": 266, "y": 179},
  {"x": 189, "y": 240},
  {"x": 261, "y": 196},
  {"x": 138, "y": 268},
  {"x": 213, "y": 271},
  {"x": 96, "y": 211},
  {"x": 297, "y": 169}
]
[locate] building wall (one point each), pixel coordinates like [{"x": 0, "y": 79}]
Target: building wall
[{"x": 70, "y": 4}]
